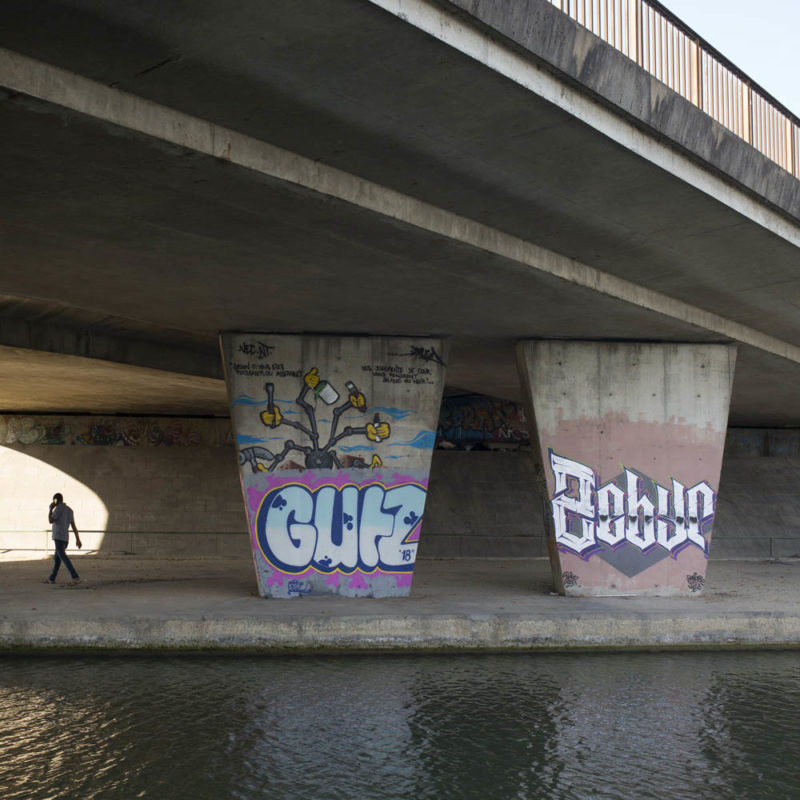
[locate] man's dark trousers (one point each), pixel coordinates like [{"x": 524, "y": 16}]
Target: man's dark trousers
[{"x": 59, "y": 556}]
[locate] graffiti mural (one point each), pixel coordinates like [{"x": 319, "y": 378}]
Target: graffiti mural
[
  {"x": 113, "y": 431},
  {"x": 629, "y": 512},
  {"x": 340, "y": 527},
  {"x": 316, "y": 454},
  {"x": 334, "y": 437},
  {"x": 467, "y": 421}
]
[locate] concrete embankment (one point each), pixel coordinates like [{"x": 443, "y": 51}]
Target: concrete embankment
[{"x": 132, "y": 604}]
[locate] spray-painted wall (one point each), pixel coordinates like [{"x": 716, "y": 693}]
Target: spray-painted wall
[
  {"x": 631, "y": 439},
  {"x": 335, "y": 436},
  {"x": 174, "y": 491},
  {"x": 473, "y": 421}
]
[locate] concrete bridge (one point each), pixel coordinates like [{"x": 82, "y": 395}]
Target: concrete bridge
[{"x": 470, "y": 172}]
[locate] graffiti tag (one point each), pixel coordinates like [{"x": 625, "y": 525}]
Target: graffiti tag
[
  {"x": 586, "y": 517},
  {"x": 423, "y": 353},
  {"x": 256, "y": 349},
  {"x": 343, "y": 529}
]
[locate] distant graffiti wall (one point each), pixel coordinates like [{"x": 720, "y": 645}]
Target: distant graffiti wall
[
  {"x": 113, "y": 431},
  {"x": 469, "y": 420},
  {"x": 334, "y": 437}
]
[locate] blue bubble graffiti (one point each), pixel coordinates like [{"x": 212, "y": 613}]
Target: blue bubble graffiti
[{"x": 345, "y": 529}]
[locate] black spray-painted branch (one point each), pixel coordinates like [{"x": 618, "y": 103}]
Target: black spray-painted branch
[{"x": 287, "y": 448}]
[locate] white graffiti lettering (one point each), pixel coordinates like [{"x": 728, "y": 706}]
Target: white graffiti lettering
[
  {"x": 348, "y": 528},
  {"x": 586, "y": 516}
]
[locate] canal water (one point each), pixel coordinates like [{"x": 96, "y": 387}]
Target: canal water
[{"x": 633, "y": 726}]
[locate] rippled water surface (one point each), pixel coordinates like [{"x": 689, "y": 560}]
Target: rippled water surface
[{"x": 522, "y": 726}]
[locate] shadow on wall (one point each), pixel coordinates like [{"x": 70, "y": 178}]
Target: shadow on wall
[{"x": 159, "y": 487}]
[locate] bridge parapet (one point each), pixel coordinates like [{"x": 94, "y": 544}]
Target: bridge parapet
[{"x": 662, "y": 44}]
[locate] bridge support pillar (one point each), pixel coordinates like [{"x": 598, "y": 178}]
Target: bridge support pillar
[
  {"x": 629, "y": 440},
  {"x": 334, "y": 436}
]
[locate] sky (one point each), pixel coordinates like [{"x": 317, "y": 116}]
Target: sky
[{"x": 761, "y": 37}]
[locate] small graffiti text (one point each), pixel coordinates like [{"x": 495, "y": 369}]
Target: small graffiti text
[
  {"x": 259, "y": 350},
  {"x": 569, "y": 579},
  {"x": 425, "y": 354},
  {"x": 258, "y": 370},
  {"x": 695, "y": 582},
  {"x": 400, "y": 375}
]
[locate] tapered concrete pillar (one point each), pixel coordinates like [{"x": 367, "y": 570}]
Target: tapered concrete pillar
[
  {"x": 630, "y": 438},
  {"x": 335, "y": 436}
]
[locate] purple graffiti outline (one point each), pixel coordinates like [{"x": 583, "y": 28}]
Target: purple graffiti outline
[
  {"x": 604, "y": 546},
  {"x": 412, "y": 537}
]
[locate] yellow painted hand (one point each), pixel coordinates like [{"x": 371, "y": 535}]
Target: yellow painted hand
[
  {"x": 378, "y": 431},
  {"x": 376, "y": 461},
  {"x": 272, "y": 417},
  {"x": 311, "y": 378},
  {"x": 357, "y": 400}
]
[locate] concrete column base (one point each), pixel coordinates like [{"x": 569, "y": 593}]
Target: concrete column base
[
  {"x": 630, "y": 438},
  {"x": 334, "y": 436}
]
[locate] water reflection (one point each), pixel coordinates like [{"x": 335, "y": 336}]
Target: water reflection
[
  {"x": 484, "y": 728},
  {"x": 523, "y": 726},
  {"x": 325, "y": 727},
  {"x": 632, "y": 727},
  {"x": 751, "y": 731}
]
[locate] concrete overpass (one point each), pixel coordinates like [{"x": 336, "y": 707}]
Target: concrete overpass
[{"x": 479, "y": 171}]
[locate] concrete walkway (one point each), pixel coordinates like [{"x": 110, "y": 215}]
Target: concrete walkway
[{"x": 204, "y": 605}]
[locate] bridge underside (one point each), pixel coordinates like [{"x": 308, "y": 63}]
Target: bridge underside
[{"x": 484, "y": 207}]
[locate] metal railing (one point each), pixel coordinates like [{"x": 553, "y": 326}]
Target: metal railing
[
  {"x": 125, "y": 542},
  {"x": 653, "y": 37}
]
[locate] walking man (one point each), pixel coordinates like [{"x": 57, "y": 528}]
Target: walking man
[{"x": 62, "y": 517}]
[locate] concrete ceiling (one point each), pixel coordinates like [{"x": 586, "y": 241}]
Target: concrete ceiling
[{"x": 121, "y": 235}]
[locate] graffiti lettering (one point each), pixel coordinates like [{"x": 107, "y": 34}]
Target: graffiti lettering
[
  {"x": 257, "y": 349},
  {"x": 340, "y": 528},
  {"x": 586, "y": 517}
]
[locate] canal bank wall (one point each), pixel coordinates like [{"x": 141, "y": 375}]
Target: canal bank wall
[
  {"x": 168, "y": 488},
  {"x": 197, "y": 606}
]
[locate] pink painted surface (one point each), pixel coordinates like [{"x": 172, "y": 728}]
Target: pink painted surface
[
  {"x": 309, "y": 479},
  {"x": 668, "y": 575},
  {"x": 660, "y": 450},
  {"x": 357, "y": 581}
]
